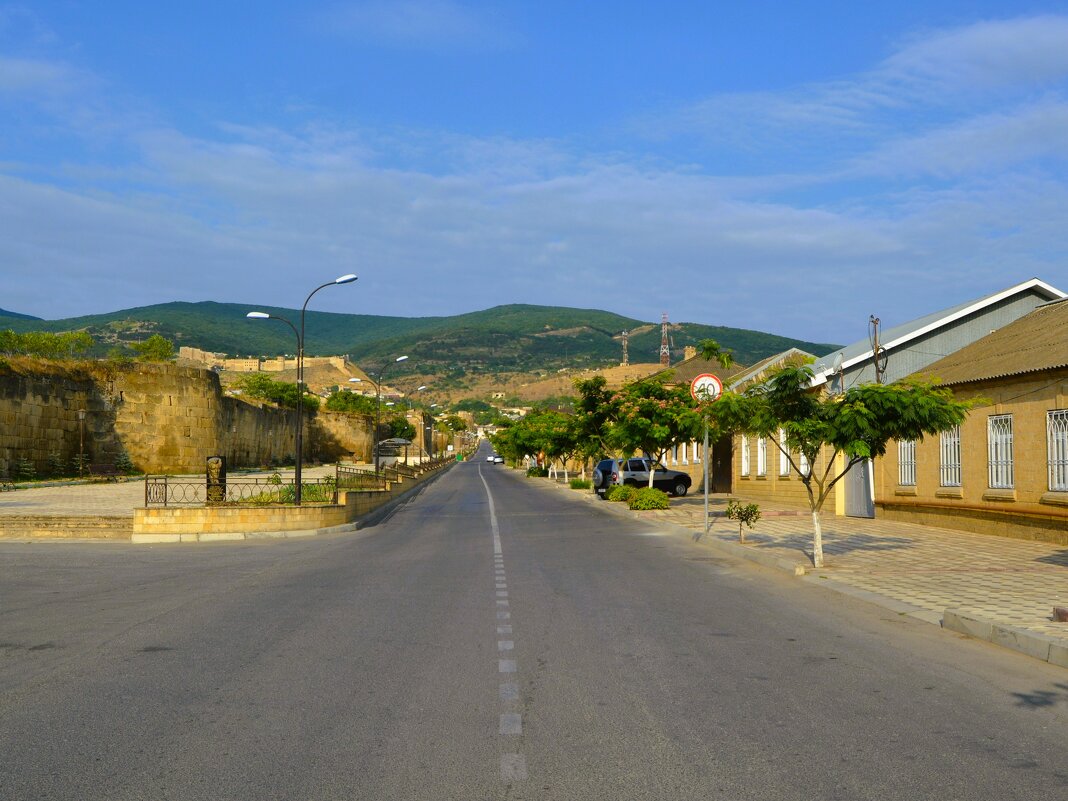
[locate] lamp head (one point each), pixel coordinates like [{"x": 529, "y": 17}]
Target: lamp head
[
  {"x": 345, "y": 279},
  {"x": 258, "y": 316},
  {"x": 401, "y": 359},
  {"x": 355, "y": 380},
  {"x": 420, "y": 389}
]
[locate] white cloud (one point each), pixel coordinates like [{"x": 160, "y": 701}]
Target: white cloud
[{"x": 419, "y": 24}]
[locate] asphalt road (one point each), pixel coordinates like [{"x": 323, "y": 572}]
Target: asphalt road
[{"x": 493, "y": 640}]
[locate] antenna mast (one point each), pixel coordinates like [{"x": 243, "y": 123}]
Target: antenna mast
[{"x": 665, "y": 348}]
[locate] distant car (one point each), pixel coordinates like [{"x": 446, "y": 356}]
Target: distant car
[
  {"x": 498, "y": 460},
  {"x": 635, "y": 473},
  {"x": 490, "y": 458}
]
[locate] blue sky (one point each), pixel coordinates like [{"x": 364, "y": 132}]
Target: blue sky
[{"x": 789, "y": 167}]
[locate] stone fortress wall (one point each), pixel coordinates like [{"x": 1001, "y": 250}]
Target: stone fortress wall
[
  {"x": 168, "y": 419},
  {"x": 254, "y": 364}
]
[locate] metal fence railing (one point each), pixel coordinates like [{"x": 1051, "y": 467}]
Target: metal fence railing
[
  {"x": 276, "y": 490},
  {"x": 273, "y": 490}
]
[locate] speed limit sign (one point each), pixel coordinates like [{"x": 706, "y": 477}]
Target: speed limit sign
[{"x": 706, "y": 387}]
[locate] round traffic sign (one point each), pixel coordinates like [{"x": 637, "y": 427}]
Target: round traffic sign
[{"x": 706, "y": 387}]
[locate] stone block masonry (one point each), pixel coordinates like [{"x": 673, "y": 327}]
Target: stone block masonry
[{"x": 168, "y": 419}]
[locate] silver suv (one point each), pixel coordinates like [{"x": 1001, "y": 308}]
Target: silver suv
[{"x": 635, "y": 473}]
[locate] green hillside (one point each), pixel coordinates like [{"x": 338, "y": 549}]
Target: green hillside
[
  {"x": 513, "y": 337},
  {"x": 17, "y": 316}
]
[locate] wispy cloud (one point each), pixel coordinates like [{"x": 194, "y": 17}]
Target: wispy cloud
[{"x": 419, "y": 24}]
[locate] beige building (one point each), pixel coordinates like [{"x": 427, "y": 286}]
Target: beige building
[{"x": 1005, "y": 470}]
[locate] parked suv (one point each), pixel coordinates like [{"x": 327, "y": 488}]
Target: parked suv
[{"x": 635, "y": 473}]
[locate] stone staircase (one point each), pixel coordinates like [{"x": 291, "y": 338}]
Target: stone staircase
[{"x": 62, "y": 527}]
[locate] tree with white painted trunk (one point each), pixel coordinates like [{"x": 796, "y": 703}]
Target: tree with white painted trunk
[{"x": 847, "y": 428}]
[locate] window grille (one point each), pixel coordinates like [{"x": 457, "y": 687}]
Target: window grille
[
  {"x": 999, "y": 451},
  {"x": 906, "y": 463},
  {"x": 762, "y": 456},
  {"x": 745, "y": 456},
  {"x": 1057, "y": 449},
  {"x": 949, "y": 458},
  {"x": 784, "y": 460}
]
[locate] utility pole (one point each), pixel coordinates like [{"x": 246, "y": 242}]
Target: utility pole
[
  {"x": 665, "y": 348},
  {"x": 876, "y": 349}
]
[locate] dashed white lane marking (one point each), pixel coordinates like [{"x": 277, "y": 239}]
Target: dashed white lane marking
[
  {"x": 493, "y": 515},
  {"x": 511, "y": 723},
  {"x": 513, "y": 767}
]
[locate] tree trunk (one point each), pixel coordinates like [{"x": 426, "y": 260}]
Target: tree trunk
[{"x": 817, "y": 540}]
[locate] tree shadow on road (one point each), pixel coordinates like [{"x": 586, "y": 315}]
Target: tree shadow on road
[{"x": 1040, "y": 699}]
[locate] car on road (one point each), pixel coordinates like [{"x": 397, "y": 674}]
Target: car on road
[
  {"x": 635, "y": 473},
  {"x": 498, "y": 459}
]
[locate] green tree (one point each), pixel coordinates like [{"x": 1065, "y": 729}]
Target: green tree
[
  {"x": 455, "y": 424},
  {"x": 350, "y": 402},
  {"x": 855, "y": 426},
  {"x": 401, "y": 428},
  {"x": 652, "y": 417},
  {"x": 156, "y": 348},
  {"x": 262, "y": 387}
]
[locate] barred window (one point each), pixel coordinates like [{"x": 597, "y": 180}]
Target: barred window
[
  {"x": 949, "y": 458},
  {"x": 762, "y": 456},
  {"x": 1057, "y": 449},
  {"x": 906, "y": 463},
  {"x": 999, "y": 451},
  {"x": 745, "y": 456}
]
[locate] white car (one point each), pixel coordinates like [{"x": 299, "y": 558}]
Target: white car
[
  {"x": 498, "y": 460},
  {"x": 490, "y": 458}
]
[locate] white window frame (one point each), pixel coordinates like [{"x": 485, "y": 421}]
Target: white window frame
[
  {"x": 906, "y": 463},
  {"x": 762, "y": 456},
  {"x": 949, "y": 472},
  {"x": 999, "y": 459},
  {"x": 745, "y": 455},
  {"x": 1057, "y": 449},
  {"x": 784, "y": 458}
]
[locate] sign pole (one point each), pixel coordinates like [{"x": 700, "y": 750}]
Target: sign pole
[{"x": 703, "y": 389}]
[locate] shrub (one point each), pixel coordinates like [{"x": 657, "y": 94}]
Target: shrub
[
  {"x": 79, "y": 463},
  {"x": 620, "y": 493},
  {"x": 580, "y": 483},
  {"x": 748, "y": 513},
  {"x": 25, "y": 470},
  {"x": 57, "y": 465},
  {"x": 123, "y": 463},
  {"x": 537, "y": 472},
  {"x": 648, "y": 498}
]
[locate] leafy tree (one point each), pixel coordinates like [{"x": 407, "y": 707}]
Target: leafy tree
[
  {"x": 262, "y": 387},
  {"x": 154, "y": 349},
  {"x": 651, "y": 417},
  {"x": 595, "y": 409},
  {"x": 855, "y": 426},
  {"x": 455, "y": 424},
  {"x": 400, "y": 427},
  {"x": 350, "y": 402},
  {"x": 46, "y": 344}
]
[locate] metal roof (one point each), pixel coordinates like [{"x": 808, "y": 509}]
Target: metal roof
[
  {"x": 900, "y": 335},
  {"x": 1037, "y": 341}
]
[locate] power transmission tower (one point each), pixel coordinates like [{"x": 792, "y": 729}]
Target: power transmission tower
[
  {"x": 626, "y": 356},
  {"x": 665, "y": 347}
]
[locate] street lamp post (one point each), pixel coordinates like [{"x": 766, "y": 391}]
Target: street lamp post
[
  {"x": 378, "y": 404},
  {"x": 344, "y": 279}
]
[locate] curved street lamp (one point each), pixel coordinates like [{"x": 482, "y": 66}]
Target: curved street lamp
[
  {"x": 378, "y": 403},
  {"x": 348, "y": 278}
]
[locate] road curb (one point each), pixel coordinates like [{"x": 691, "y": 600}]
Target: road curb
[
  {"x": 1040, "y": 646},
  {"x": 367, "y": 520}
]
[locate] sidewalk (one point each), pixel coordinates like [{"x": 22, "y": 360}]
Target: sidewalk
[
  {"x": 107, "y": 499},
  {"x": 994, "y": 588}
]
